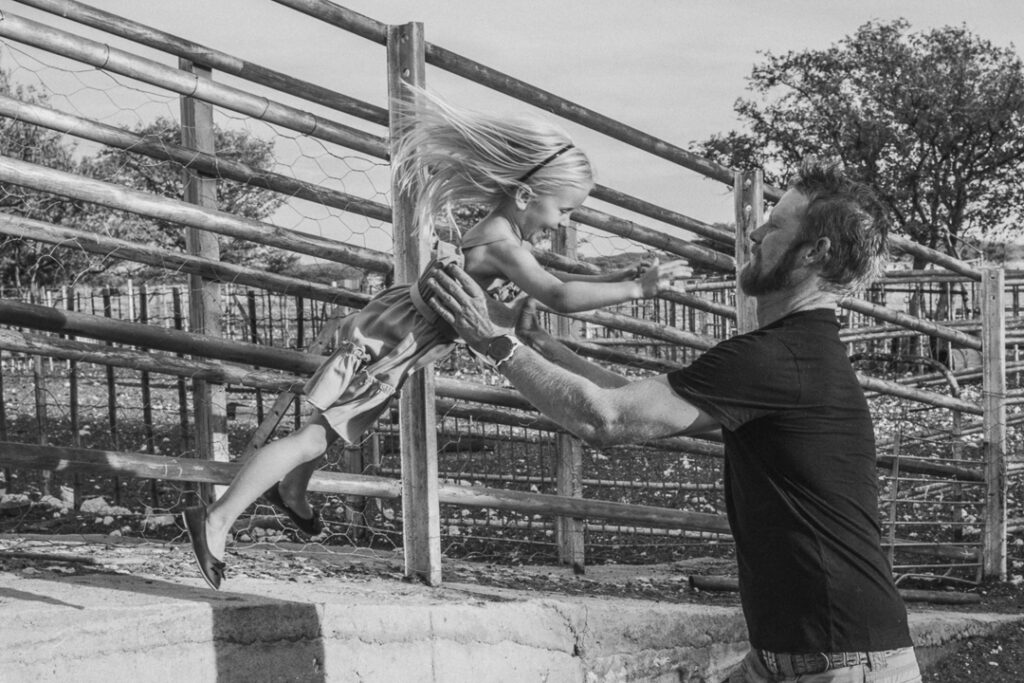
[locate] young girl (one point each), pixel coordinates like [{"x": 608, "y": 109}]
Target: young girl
[{"x": 532, "y": 177}]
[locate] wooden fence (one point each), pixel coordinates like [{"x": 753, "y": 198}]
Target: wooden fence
[{"x": 212, "y": 362}]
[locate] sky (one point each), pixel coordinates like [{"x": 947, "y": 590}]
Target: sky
[{"x": 671, "y": 68}]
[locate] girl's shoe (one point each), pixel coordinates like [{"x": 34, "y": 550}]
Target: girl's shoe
[
  {"x": 210, "y": 567},
  {"x": 311, "y": 526}
]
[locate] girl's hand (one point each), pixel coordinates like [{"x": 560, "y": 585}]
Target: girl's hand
[
  {"x": 527, "y": 327},
  {"x": 658, "y": 277},
  {"x": 631, "y": 273}
]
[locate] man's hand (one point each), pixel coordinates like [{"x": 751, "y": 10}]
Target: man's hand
[{"x": 460, "y": 302}]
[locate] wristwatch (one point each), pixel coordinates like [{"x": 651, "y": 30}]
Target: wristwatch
[{"x": 499, "y": 350}]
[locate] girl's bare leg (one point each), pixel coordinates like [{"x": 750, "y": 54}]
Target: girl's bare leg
[
  {"x": 293, "y": 487},
  {"x": 265, "y": 468}
]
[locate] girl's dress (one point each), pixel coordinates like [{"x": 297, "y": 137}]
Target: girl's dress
[{"x": 394, "y": 335}]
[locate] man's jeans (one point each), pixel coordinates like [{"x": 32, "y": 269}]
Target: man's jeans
[{"x": 899, "y": 666}]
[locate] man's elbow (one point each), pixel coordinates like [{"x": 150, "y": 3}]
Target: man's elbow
[{"x": 600, "y": 429}]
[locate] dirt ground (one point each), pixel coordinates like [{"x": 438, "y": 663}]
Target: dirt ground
[{"x": 998, "y": 658}]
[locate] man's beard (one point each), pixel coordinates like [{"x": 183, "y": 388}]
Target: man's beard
[{"x": 755, "y": 282}]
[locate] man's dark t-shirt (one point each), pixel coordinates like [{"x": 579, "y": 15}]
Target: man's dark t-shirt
[{"x": 800, "y": 487}]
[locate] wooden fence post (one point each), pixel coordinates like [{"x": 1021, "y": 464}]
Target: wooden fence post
[
  {"x": 209, "y": 400},
  {"x": 748, "y": 191},
  {"x": 993, "y": 389},
  {"x": 417, "y": 419},
  {"x": 568, "y": 449}
]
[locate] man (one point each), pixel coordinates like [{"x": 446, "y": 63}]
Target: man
[{"x": 800, "y": 483}]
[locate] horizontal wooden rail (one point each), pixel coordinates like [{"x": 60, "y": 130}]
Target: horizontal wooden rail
[
  {"x": 208, "y": 164},
  {"x": 59, "y": 459},
  {"x": 908, "y": 466},
  {"x": 590, "y": 349},
  {"x": 659, "y": 240},
  {"x": 449, "y": 391},
  {"x": 231, "y": 170},
  {"x": 376, "y": 31},
  {"x": 910, "y": 322},
  {"x": 46, "y": 179},
  {"x": 209, "y": 57},
  {"x": 929, "y": 255},
  {"x": 95, "y": 243},
  {"x": 117, "y": 61},
  {"x": 678, "y": 444},
  {"x": 74, "y": 323},
  {"x": 658, "y": 213},
  {"x": 51, "y": 346},
  {"x": 81, "y": 324},
  {"x": 164, "y": 363},
  {"x": 890, "y": 388},
  {"x": 625, "y": 323}
]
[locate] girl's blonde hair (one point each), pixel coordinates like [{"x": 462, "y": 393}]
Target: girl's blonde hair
[{"x": 447, "y": 157}]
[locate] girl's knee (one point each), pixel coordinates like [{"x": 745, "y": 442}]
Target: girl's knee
[{"x": 311, "y": 441}]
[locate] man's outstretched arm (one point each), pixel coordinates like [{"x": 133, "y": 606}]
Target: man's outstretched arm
[{"x": 631, "y": 413}]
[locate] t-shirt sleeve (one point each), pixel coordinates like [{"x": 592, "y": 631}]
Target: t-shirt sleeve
[{"x": 740, "y": 379}]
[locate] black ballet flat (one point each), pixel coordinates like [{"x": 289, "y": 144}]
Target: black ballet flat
[
  {"x": 210, "y": 567},
  {"x": 312, "y": 526}
]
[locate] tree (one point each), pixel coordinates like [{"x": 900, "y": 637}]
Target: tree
[
  {"x": 933, "y": 120},
  {"x": 25, "y": 263},
  {"x": 165, "y": 178}
]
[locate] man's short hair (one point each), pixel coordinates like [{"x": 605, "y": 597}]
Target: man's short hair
[{"x": 850, "y": 215}]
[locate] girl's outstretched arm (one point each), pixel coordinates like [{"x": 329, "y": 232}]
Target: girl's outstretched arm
[{"x": 517, "y": 264}]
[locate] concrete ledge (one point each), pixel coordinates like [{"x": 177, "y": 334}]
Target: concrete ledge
[{"x": 101, "y": 627}]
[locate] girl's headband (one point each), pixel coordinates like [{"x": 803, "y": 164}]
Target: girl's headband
[{"x": 560, "y": 152}]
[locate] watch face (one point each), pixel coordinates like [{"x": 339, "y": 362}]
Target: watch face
[{"x": 499, "y": 348}]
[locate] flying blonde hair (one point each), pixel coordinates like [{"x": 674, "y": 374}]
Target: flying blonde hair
[{"x": 447, "y": 157}]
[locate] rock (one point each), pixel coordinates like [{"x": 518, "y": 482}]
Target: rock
[
  {"x": 94, "y": 506},
  {"x": 14, "y": 503}
]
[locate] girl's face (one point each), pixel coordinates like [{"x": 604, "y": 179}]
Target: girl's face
[{"x": 547, "y": 212}]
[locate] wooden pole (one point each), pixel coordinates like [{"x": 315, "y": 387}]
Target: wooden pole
[
  {"x": 39, "y": 394},
  {"x": 3, "y": 425},
  {"x": 70, "y": 238},
  {"x": 186, "y": 431},
  {"x": 569, "y": 531},
  {"x": 209, "y": 57},
  {"x": 420, "y": 510},
  {"x": 748, "y": 191},
  {"x": 659, "y": 240},
  {"x": 80, "y": 187},
  {"x": 189, "y": 469},
  {"x": 147, "y": 397},
  {"x": 209, "y": 400},
  {"x": 73, "y": 407},
  {"x": 993, "y": 385},
  {"x": 180, "y": 81},
  {"x": 108, "y": 312},
  {"x": 254, "y": 337}
]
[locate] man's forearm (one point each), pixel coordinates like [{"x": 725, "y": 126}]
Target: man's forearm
[
  {"x": 557, "y": 352},
  {"x": 564, "y": 396}
]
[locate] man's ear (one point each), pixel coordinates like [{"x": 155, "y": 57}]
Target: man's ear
[
  {"x": 820, "y": 250},
  {"x": 523, "y": 196}
]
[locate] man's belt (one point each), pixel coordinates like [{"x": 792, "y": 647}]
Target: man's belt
[{"x": 814, "y": 663}]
